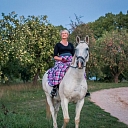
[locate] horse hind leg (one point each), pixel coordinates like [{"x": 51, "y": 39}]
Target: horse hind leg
[
  {"x": 48, "y": 113},
  {"x": 56, "y": 106},
  {"x": 52, "y": 111}
]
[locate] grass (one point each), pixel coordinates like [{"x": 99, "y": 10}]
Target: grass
[{"x": 23, "y": 106}]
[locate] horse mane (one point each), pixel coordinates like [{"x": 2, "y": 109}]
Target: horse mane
[{"x": 73, "y": 60}]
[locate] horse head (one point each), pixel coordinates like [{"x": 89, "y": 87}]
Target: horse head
[{"x": 81, "y": 55}]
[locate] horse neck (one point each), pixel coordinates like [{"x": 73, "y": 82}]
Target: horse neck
[{"x": 77, "y": 73}]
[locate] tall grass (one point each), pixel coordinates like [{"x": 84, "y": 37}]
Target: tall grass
[{"x": 23, "y": 106}]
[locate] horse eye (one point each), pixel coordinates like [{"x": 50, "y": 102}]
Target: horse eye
[{"x": 87, "y": 49}]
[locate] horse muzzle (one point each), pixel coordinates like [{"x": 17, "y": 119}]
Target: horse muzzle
[{"x": 80, "y": 62}]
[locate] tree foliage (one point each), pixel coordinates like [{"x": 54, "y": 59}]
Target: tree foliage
[
  {"x": 112, "y": 52},
  {"x": 101, "y": 32},
  {"x": 28, "y": 41},
  {"x": 108, "y": 23},
  {"x": 26, "y": 45}
]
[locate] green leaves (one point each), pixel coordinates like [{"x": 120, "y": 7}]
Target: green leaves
[
  {"x": 112, "y": 47},
  {"x": 30, "y": 40}
]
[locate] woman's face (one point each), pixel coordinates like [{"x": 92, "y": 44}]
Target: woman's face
[{"x": 64, "y": 35}]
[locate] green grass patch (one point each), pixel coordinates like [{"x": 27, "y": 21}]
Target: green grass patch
[{"x": 23, "y": 106}]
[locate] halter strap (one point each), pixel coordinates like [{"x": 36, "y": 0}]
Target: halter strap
[
  {"x": 77, "y": 59},
  {"x": 81, "y": 58}
]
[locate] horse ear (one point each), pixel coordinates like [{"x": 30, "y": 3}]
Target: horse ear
[
  {"x": 78, "y": 39},
  {"x": 87, "y": 39}
]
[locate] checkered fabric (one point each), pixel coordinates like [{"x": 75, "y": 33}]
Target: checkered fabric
[{"x": 56, "y": 73}]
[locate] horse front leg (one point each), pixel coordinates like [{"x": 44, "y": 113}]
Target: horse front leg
[
  {"x": 52, "y": 110},
  {"x": 64, "y": 105},
  {"x": 79, "y": 106}
]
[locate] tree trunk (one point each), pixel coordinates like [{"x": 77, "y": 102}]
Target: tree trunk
[
  {"x": 36, "y": 77},
  {"x": 116, "y": 78}
]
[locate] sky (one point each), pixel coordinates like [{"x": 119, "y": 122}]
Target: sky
[{"x": 61, "y": 12}]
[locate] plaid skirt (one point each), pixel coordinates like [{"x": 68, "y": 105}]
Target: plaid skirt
[{"x": 56, "y": 73}]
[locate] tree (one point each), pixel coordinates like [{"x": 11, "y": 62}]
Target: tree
[
  {"x": 108, "y": 23},
  {"x": 40, "y": 39},
  {"x": 30, "y": 41},
  {"x": 113, "y": 53},
  {"x": 95, "y": 30},
  {"x": 78, "y": 28},
  {"x": 10, "y": 46}
]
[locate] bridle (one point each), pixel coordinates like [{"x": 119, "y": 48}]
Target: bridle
[{"x": 79, "y": 57}]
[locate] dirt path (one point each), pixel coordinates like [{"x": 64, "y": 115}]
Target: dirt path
[{"x": 114, "y": 101}]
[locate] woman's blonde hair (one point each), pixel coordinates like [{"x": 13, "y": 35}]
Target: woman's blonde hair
[{"x": 66, "y": 31}]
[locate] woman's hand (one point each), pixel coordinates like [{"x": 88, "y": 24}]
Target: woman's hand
[
  {"x": 57, "y": 58},
  {"x": 63, "y": 60}
]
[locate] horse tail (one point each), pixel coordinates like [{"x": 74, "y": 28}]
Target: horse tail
[{"x": 48, "y": 112}]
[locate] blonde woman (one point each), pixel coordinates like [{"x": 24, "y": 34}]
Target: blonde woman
[{"x": 63, "y": 53}]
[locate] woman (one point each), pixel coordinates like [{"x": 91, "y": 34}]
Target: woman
[{"x": 63, "y": 53}]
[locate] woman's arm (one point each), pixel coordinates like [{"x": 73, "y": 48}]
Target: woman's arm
[{"x": 57, "y": 58}]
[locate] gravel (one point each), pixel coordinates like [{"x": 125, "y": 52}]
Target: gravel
[{"x": 113, "y": 101}]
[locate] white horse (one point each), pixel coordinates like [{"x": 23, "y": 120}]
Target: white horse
[{"x": 72, "y": 88}]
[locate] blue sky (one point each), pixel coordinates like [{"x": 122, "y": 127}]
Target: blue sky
[{"x": 61, "y": 12}]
